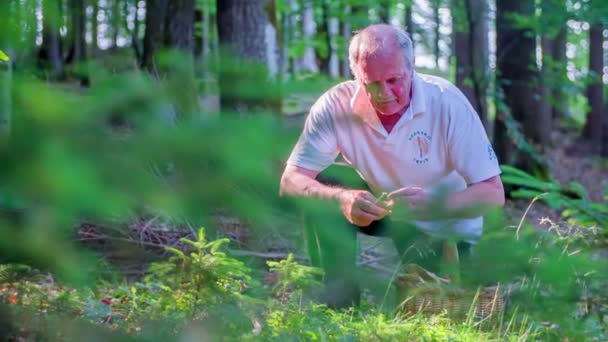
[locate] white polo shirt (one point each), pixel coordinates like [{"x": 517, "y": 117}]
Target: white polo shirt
[{"x": 439, "y": 144}]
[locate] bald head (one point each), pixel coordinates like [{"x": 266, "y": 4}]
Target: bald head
[{"x": 376, "y": 41}]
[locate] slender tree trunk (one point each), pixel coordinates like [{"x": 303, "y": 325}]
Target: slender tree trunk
[
  {"x": 345, "y": 31},
  {"x": 116, "y": 21},
  {"x": 308, "y": 61},
  {"x": 79, "y": 30},
  {"x": 324, "y": 55},
  {"x": 437, "y": 33},
  {"x": 198, "y": 31},
  {"x": 516, "y": 64},
  {"x": 546, "y": 82},
  {"x": 79, "y": 44},
  {"x": 5, "y": 102},
  {"x": 559, "y": 97},
  {"x": 471, "y": 50},
  {"x": 409, "y": 22},
  {"x": 383, "y": 10},
  {"x": 94, "y": 28},
  {"x": 285, "y": 38},
  {"x": 273, "y": 39},
  {"x": 6, "y": 42},
  {"x": 594, "y": 126}
]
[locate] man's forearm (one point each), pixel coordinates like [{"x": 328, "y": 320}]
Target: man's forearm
[
  {"x": 301, "y": 185},
  {"x": 476, "y": 200}
]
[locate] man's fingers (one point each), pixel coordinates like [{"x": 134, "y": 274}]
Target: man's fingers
[
  {"x": 373, "y": 208},
  {"x": 361, "y": 217},
  {"x": 404, "y": 192}
]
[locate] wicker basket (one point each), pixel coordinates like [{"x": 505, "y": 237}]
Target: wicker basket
[
  {"x": 456, "y": 303},
  {"x": 421, "y": 291}
]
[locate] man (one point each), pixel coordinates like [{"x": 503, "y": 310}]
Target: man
[{"x": 413, "y": 136}]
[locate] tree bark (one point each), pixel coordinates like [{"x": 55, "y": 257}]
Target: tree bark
[
  {"x": 308, "y": 62},
  {"x": 559, "y": 96},
  {"x": 345, "y": 31},
  {"x": 437, "y": 33},
  {"x": 516, "y": 64},
  {"x": 470, "y": 29},
  {"x": 95, "y": 28},
  {"x": 5, "y": 102},
  {"x": 241, "y": 28},
  {"x": 79, "y": 44},
  {"x": 324, "y": 55},
  {"x": 594, "y": 125},
  {"x": 179, "y": 25},
  {"x": 409, "y": 22},
  {"x": 50, "y": 52},
  {"x": 154, "y": 34}
]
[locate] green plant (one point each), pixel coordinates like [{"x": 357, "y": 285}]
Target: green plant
[
  {"x": 3, "y": 57},
  {"x": 572, "y": 199},
  {"x": 204, "y": 268},
  {"x": 293, "y": 277}
]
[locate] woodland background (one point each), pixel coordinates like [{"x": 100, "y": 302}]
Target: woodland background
[{"x": 126, "y": 125}]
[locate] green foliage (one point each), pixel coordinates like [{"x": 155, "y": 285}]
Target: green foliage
[
  {"x": 4, "y": 57},
  {"x": 206, "y": 268},
  {"x": 293, "y": 277},
  {"x": 572, "y": 199}
]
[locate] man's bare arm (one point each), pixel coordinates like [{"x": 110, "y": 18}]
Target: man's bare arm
[
  {"x": 358, "y": 206},
  {"x": 477, "y": 199},
  {"x": 301, "y": 182},
  {"x": 474, "y": 201}
]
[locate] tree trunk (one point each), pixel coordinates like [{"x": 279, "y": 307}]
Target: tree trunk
[
  {"x": 5, "y": 102},
  {"x": 408, "y": 21},
  {"x": 79, "y": 30},
  {"x": 559, "y": 97},
  {"x": 241, "y": 28},
  {"x": 345, "y": 31},
  {"x": 437, "y": 35},
  {"x": 517, "y": 73},
  {"x": 594, "y": 126},
  {"x": 471, "y": 50},
  {"x": 95, "y": 28},
  {"x": 7, "y": 40},
  {"x": 273, "y": 37},
  {"x": 383, "y": 10},
  {"x": 285, "y": 38},
  {"x": 79, "y": 44},
  {"x": 308, "y": 61},
  {"x": 324, "y": 54},
  {"x": 116, "y": 22},
  {"x": 50, "y": 52},
  {"x": 154, "y": 34},
  {"x": 179, "y": 25}
]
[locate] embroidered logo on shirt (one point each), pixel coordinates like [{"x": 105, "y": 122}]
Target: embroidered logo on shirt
[
  {"x": 491, "y": 153},
  {"x": 422, "y": 141}
]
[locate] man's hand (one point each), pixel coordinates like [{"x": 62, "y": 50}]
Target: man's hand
[
  {"x": 414, "y": 201},
  {"x": 361, "y": 208}
]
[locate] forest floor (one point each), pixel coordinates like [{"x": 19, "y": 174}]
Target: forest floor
[{"x": 569, "y": 161}]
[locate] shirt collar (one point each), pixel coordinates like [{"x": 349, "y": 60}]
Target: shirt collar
[{"x": 363, "y": 108}]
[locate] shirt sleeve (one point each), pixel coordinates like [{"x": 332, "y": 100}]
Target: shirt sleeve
[
  {"x": 317, "y": 146},
  {"x": 470, "y": 150}
]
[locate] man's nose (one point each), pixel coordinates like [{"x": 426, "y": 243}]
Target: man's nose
[{"x": 384, "y": 91}]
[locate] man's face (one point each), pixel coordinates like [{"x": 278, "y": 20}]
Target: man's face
[{"x": 386, "y": 81}]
